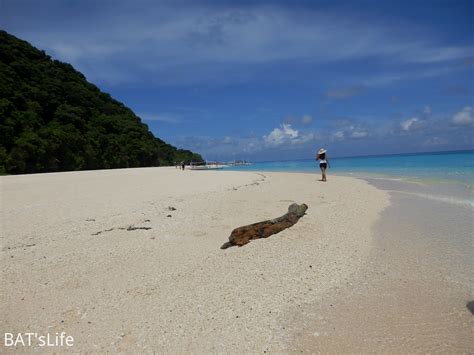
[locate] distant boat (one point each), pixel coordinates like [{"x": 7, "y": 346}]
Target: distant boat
[
  {"x": 207, "y": 166},
  {"x": 240, "y": 162}
]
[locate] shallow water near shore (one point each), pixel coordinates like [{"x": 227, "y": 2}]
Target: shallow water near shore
[
  {"x": 429, "y": 168},
  {"x": 411, "y": 293}
]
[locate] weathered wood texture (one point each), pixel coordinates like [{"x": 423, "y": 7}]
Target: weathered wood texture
[{"x": 242, "y": 235}]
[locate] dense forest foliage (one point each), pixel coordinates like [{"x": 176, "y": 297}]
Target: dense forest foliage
[{"x": 52, "y": 119}]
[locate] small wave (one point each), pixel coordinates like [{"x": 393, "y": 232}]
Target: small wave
[{"x": 447, "y": 199}]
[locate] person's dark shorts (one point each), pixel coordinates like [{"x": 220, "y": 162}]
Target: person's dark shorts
[{"x": 323, "y": 165}]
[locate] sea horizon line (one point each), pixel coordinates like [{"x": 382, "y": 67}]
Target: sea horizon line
[{"x": 372, "y": 155}]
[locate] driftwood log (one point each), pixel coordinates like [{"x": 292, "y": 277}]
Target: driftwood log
[{"x": 242, "y": 235}]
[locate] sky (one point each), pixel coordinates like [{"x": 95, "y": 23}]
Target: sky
[{"x": 272, "y": 80}]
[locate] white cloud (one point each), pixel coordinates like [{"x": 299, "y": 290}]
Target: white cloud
[
  {"x": 158, "y": 117},
  {"x": 359, "y": 134},
  {"x": 345, "y": 92},
  {"x": 389, "y": 77},
  {"x": 306, "y": 119},
  {"x": 348, "y": 129},
  {"x": 202, "y": 42},
  {"x": 439, "y": 54},
  {"x": 216, "y": 148},
  {"x": 463, "y": 117},
  {"x": 227, "y": 140},
  {"x": 304, "y": 138},
  {"x": 280, "y": 135},
  {"x": 434, "y": 141},
  {"x": 285, "y": 134},
  {"x": 409, "y": 124}
]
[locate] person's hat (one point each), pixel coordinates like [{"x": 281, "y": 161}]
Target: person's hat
[{"x": 322, "y": 151}]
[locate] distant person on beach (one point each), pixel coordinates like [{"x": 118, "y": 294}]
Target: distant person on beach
[
  {"x": 323, "y": 162},
  {"x": 183, "y": 165}
]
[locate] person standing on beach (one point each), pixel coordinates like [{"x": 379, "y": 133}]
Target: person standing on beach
[
  {"x": 183, "y": 165},
  {"x": 323, "y": 162}
]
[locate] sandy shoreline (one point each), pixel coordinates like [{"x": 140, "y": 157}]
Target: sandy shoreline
[
  {"x": 411, "y": 292},
  {"x": 70, "y": 264}
]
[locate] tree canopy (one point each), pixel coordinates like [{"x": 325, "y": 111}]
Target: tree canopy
[{"x": 53, "y": 119}]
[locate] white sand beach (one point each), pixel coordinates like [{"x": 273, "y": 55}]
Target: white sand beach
[{"x": 102, "y": 256}]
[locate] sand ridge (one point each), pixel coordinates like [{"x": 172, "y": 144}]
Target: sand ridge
[{"x": 170, "y": 288}]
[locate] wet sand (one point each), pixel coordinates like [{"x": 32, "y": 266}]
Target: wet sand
[{"x": 412, "y": 291}]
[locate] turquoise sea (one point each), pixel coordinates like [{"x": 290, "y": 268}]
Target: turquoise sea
[{"x": 440, "y": 167}]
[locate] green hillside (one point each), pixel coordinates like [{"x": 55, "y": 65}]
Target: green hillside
[{"x": 52, "y": 119}]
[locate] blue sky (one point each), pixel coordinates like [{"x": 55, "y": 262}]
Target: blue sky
[{"x": 270, "y": 80}]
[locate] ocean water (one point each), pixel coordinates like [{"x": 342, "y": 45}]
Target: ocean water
[
  {"x": 440, "y": 167},
  {"x": 443, "y": 176}
]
